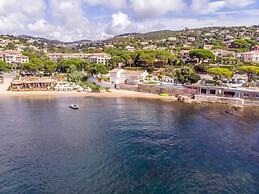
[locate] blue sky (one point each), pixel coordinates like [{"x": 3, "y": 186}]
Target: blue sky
[{"x": 70, "y": 20}]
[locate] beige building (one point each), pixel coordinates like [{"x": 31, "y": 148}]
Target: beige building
[
  {"x": 223, "y": 53},
  {"x": 99, "y": 58}
]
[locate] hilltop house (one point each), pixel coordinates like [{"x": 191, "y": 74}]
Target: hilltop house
[
  {"x": 130, "y": 48},
  {"x": 223, "y": 53},
  {"x": 121, "y": 76},
  {"x": 252, "y": 56},
  {"x": 208, "y": 46}
]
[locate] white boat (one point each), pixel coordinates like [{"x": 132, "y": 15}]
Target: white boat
[{"x": 74, "y": 106}]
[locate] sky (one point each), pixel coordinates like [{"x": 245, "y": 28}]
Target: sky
[{"x": 70, "y": 20}]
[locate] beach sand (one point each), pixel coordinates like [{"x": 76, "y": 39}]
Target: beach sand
[{"x": 110, "y": 94}]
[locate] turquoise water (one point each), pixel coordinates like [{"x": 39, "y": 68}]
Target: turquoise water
[{"x": 126, "y": 146}]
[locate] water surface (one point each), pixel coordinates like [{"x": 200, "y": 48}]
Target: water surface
[{"x": 126, "y": 146}]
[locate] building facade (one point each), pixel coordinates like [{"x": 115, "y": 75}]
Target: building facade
[
  {"x": 99, "y": 58},
  {"x": 243, "y": 93},
  {"x": 121, "y": 76},
  {"x": 11, "y": 56},
  {"x": 252, "y": 56}
]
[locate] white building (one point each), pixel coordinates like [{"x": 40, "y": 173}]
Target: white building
[
  {"x": 11, "y": 56},
  {"x": 150, "y": 47},
  {"x": 130, "y": 48},
  {"x": 99, "y": 58},
  {"x": 121, "y": 76},
  {"x": 252, "y": 56},
  {"x": 172, "y": 39},
  {"x": 192, "y": 39}
]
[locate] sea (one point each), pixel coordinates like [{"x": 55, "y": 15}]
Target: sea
[{"x": 121, "y": 145}]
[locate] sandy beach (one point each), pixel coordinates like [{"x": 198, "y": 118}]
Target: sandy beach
[{"x": 110, "y": 94}]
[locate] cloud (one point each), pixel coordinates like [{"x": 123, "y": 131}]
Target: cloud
[
  {"x": 239, "y": 3},
  {"x": 120, "y": 22},
  {"x": 154, "y": 8},
  {"x": 70, "y": 20},
  {"x": 206, "y": 7},
  {"x": 108, "y": 3}
]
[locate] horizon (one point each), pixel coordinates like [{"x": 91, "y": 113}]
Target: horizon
[
  {"x": 128, "y": 33},
  {"x": 73, "y": 20}
]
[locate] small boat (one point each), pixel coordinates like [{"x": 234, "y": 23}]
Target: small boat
[{"x": 74, "y": 106}]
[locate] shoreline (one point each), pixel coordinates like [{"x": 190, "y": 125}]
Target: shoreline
[
  {"x": 118, "y": 94},
  {"x": 110, "y": 94}
]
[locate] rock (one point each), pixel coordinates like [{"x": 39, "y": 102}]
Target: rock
[{"x": 185, "y": 99}]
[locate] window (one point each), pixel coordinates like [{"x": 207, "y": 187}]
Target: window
[
  {"x": 246, "y": 95},
  {"x": 203, "y": 91},
  {"x": 213, "y": 92},
  {"x": 229, "y": 94}
]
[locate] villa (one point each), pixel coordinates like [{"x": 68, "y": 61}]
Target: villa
[
  {"x": 252, "y": 56},
  {"x": 121, "y": 76},
  {"x": 11, "y": 56}
]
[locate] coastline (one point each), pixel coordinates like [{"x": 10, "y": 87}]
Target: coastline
[
  {"x": 123, "y": 94},
  {"x": 111, "y": 94}
]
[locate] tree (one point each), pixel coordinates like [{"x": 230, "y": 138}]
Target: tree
[
  {"x": 251, "y": 71},
  {"x": 10, "y": 46},
  {"x": 240, "y": 43},
  {"x": 186, "y": 75},
  {"x": 30, "y": 67},
  {"x": 80, "y": 65},
  {"x": 220, "y": 72},
  {"x": 202, "y": 54},
  {"x": 4, "y": 66},
  {"x": 74, "y": 75},
  {"x": 146, "y": 57},
  {"x": 98, "y": 69},
  {"x": 50, "y": 66}
]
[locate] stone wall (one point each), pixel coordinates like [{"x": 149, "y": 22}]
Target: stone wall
[
  {"x": 171, "y": 90},
  {"x": 128, "y": 87},
  {"x": 217, "y": 99},
  {"x": 251, "y": 103}
]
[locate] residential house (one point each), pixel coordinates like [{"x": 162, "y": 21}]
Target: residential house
[
  {"x": 172, "y": 39},
  {"x": 223, "y": 53},
  {"x": 208, "y": 46},
  {"x": 130, "y": 48},
  {"x": 11, "y": 56},
  {"x": 191, "y": 39},
  {"x": 150, "y": 47},
  {"x": 252, "y": 56},
  {"x": 121, "y": 76}
]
